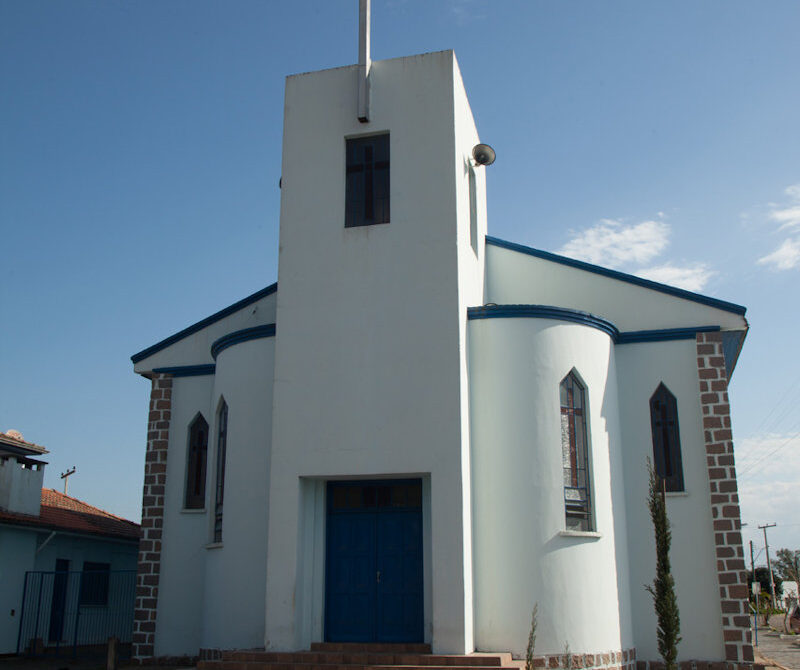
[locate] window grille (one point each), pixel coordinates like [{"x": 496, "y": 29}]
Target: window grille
[
  {"x": 367, "y": 175},
  {"x": 574, "y": 455},
  {"x": 222, "y": 442},
  {"x": 666, "y": 438}
]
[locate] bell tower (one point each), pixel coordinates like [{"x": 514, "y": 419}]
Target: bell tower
[{"x": 382, "y": 233}]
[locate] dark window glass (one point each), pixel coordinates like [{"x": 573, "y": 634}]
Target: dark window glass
[
  {"x": 94, "y": 584},
  {"x": 196, "y": 466},
  {"x": 367, "y": 188},
  {"x": 343, "y": 496},
  {"x": 575, "y": 455},
  {"x": 666, "y": 438},
  {"x": 222, "y": 444}
]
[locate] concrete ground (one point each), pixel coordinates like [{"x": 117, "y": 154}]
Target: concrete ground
[{"x": 777, "y": 649}]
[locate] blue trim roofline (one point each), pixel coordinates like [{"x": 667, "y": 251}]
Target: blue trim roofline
[
  {"x": 664, "y": 334},
  {"x": 620, "y": 276},
  {"x": 188, "y": 370},
  {"x": 543, "y": 312},
  {"x": 254, "y": 333},
  {"x": 586, "y": 319},
  {"x": 235, "y": 307}
]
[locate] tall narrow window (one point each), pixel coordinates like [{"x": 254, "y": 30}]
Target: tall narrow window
[
  {"x": 367, "y": 189},
  {"x": 222, "y": 441},
  {"x": 666, "y": 438},
  {"x": 575, "y": 455},
  {"x": 196, "y": 464}
]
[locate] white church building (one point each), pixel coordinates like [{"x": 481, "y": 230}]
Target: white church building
[{"x": 421, "y": 431}]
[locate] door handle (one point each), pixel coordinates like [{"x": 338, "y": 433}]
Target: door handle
[{"x": 378, "y": 577}]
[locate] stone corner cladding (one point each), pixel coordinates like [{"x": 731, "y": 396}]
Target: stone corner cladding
[
  {"x": 718, "y": 439},
  {"x": 155, "y": 476}
]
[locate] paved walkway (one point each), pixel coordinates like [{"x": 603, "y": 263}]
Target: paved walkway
[{"x": 779, "y": 649}]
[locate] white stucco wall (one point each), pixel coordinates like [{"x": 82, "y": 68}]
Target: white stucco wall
[
  {"x": 369, "y": 351},
  {"x": 17, "y": 549},
  {"x": 179, "y": 625},
  {"x": 20, "y": 488},
  {"x": 195, "y": 349},
  {"x": 119, "y": 554},
  {"x": 521, "y": 554},
  {"x": 642, "y": 367},
  {"x": 471, "y": 242},
  {"x": 233, "y": 605},
  {"x": 517, "y": 278}
]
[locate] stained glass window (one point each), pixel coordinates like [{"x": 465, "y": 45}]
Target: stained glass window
[
  {"x": 222, "y": 445},
  {"x": 575, "y": 455}
]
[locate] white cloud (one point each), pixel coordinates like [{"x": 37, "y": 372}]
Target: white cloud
[
  {"x": 785, "y": 257},
  {"x": 767, "y": 467},
  {"x": 793, "y": 191},
  {"x": 612, "y": 243},
  {"x": 788, "y": 217},
  {"x": 468, "y": 10},
  {"x": 690, "y": 277}
]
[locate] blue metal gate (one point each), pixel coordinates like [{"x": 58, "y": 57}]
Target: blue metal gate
[{"x": 66, "y": 612}]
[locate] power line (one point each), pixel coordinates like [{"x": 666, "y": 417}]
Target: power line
[{"x": 750, "y": 466}]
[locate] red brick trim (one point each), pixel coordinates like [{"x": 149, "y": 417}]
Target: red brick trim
[
  {"x": 155, "y": 478},
  {"x": 718, "y": 439},
  {"x": 700, "y": 665},
  {"x": 612, "y": 660}
]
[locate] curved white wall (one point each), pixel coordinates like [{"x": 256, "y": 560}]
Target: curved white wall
[
  {"x": 235, "y": 578},
  {"x": 520, "y": 555}
]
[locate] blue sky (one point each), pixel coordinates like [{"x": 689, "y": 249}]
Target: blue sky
[{"x": 140, "y": 147}]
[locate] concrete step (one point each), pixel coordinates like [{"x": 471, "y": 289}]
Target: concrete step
[
  {"x": 242, "y": 664},
  {"x": 307, "y": 658}
]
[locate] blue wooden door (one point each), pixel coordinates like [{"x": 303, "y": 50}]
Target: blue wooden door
[{"x": 374, "y": 589}]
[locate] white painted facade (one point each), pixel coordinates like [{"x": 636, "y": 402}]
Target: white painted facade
[{"x": 378, "y": 369}]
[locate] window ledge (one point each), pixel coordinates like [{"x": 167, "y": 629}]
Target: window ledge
[
  {"x": 193, "y": 511},
  {"x": 214, "y": 545},
  {"x": 677, "y": 494},
  {"x": 580, "y": 533}
]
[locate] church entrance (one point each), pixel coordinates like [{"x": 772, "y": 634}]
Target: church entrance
[{"x": 373, "y": 567}]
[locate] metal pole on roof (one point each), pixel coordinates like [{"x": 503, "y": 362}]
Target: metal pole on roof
[{"x": 65, "y": 476}]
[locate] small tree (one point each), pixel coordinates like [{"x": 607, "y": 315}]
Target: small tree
[
  {"x": 663, "y": 588},
  {"x": 532, "y": 637}
]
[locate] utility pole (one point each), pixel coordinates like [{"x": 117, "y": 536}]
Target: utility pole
[
  {"x": 65, "y": 476},
  {"x": 769, "y": 565},
  {"x": 755, "y": 618}
]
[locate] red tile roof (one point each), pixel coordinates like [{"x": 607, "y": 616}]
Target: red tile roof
[{"x": 62, "y": 512}]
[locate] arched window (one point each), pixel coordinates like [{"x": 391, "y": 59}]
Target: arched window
[
  {"x": 575, "y": 455},
  {"x": 196, "y": 464},
  {"x": 222, "y": 444},
  {"x": 666, "y": 438}
]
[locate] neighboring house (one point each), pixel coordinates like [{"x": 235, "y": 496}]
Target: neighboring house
[
  {"x": 421, "y": 431},
  {"x": 73, "y": 553}
]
